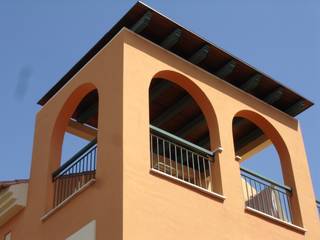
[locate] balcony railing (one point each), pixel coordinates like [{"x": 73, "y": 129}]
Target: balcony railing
[
  {"x": 75, "y": 173},
  {"x": 266, "y": 196},
  {"x": 318, "y": 206},
  {"x": 180, "y": 159},
  {"x": 184, "y": 161}
]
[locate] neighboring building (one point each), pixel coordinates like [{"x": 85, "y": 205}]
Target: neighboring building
[
  {"x": 169, "y": 118},
  {"x": 13, "y": 198}
]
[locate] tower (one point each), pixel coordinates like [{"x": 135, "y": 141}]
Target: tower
[{"x": 168, "y": 118}]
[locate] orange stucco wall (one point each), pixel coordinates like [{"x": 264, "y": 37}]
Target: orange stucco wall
[
  {"x": 103, "y": 200},
  {"x": 127, "y": 201}
]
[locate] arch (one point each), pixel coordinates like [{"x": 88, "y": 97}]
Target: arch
[
  {"x": 69, "y": 176},
  {"x": 269, "y": 130},
  {"x": 288, "y": 207},
  {"x": 200, "y": 98},
  {"x": 60, "y": 123},
  {"x": 185, "y": 113}
]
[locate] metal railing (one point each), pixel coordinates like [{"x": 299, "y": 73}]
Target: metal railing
[
  {"x": 318, "y": 206},
  {"x": 180, "y": 159},
  {"x": 266, "y": 195},
  {"x": 75, "y": 173}
]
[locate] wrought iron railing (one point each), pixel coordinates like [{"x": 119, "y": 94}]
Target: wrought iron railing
[
  {"x": 180, "y": 159},
  {"x": 266, "y": 195},
  {"x": 75, "y": 173},
  {"x": 318, "y": 206}
]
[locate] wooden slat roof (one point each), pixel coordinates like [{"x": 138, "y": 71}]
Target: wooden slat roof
[{"x": 159, "y": 27}]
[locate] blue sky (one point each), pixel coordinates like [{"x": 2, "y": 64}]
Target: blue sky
[{"x": 41, "y": 40}]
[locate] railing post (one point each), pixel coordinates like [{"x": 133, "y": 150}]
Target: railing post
[
  {"x": 181, "y": 159},
  {"x": 75, "y": 173},
  {"x": 267, "y": 196}
]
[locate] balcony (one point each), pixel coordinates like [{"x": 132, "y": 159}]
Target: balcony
[
  {"x": 181, "y": 160},
  {"x": 73, "y": 175},
  {"x": 185, "y": 162},
  {"x": 266, "y": 196},
  {"x": 191, "y": 164}
]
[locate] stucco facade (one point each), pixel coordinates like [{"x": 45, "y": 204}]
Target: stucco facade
[{"x": 127, "y": 201}]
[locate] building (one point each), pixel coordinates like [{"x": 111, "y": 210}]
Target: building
[{"x": 168, "y": 118}]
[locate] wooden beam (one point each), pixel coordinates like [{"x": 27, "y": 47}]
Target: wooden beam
[
  {"x": 204, "y": 141},
  {"x": 296, "y": 108},
  {"x": 248, "y": 138},
  {"x": 226, "y": 69},
  {"x": 157, "y": 90},
  {"x": 252, "y": 83},
  {"x": 253, "y": 147},
  {"x": 274, "y": 96},
  {"x": 81, "y": 130},
  {"x": 142, "y": 23},
  {"x": 88, "y": 113},
  {"x": 251, "y": 144},
  {"x": 200, "y": 55},
  {"x": 171, "y": 39},
  {"x": 238, "y": 122},
  {"x": 186, "y": 129},
  {"x": 172, "y": 110}
]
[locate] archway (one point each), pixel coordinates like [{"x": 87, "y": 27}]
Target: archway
[
  {"x": 74, "y": 148},
  {"x": 264, "y": 159},
  {"x": 183, "y": 129}
]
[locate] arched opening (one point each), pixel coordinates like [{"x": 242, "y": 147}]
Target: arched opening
[
  {"x": 262, "y": 153},
  {"x": 180, "y": 136},
  {"x": 78, "y": 129}
]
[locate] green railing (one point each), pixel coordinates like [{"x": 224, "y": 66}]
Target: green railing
[
  {"x": 180, "y": 159},
  {"x": 267, "y": 196},
  {"x": 181, "y": 141},
  {"x": 75, "y": 173}
]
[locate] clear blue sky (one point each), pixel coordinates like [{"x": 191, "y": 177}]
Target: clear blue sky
[{"x": 41, "y": 40}]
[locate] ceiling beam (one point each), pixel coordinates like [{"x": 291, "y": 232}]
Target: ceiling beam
[
  {"x": 187, "y": 128},
  {"x": 274, "y": 96},
  {"x": 88, "y": 113},
  {"x": 172, "y": 39},
  {"x": 142, "y": 23},
  {"x": 239, "y": 121},
  {"x": 226, "y": 69},
  {"x": 172, "y": 110},
  {"x": 159, "y": 89},
  {"x": 81, "y": 130},
  {"x": 296, "y": 108},
  {"x": 251, "y": 83},
  {"x": 241, "y": 145},
  {"x": 203, "y": 141},
  {"x": 251, "y": 136},
  {"x": 253, "y": 147},
  {"x": 200, "y": 55}
]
